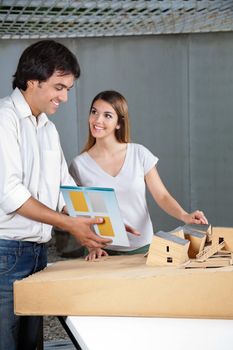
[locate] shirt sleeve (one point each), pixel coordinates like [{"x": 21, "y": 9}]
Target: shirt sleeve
[
  {"x": 74, "y": 172},
  {"x": 13, "y": 194},
  {"x": 148, "y": 159}
]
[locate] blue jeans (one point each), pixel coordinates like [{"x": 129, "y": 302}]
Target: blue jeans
[{"x": 18, "y": 260}]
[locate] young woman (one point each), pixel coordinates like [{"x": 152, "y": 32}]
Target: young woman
[{"x": 109, "y": 159}]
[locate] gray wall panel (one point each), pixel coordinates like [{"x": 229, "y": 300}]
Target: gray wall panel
[
  {"x": 10, "y": 51},
  {"x": 179, "y": 90},
  {"x": 211, "y": 125}
]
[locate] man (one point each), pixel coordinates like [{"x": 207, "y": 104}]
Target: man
[{"x": 32, "y": 169}]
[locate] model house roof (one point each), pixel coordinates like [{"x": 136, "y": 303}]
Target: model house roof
[{"x": 171, "y": 238}]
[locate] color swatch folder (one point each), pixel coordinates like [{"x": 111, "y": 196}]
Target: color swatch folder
[{"x": 97, "y": 202}]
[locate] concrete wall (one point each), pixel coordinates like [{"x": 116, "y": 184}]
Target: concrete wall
[{"x": 179, "y": 90}]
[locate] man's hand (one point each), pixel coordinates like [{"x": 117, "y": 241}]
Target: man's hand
[{"x": 80, "y": 228}]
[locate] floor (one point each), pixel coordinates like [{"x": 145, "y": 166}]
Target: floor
[{"x": 59, "y": 345}]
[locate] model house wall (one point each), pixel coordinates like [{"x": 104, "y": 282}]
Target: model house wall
[
  {"x": 225, "y": 234},
  {"x": 166, "y": 249},
  {"x": 197, "y": 241}
]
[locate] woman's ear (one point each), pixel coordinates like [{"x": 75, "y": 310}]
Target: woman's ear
[{"x": 118, "y": 127}]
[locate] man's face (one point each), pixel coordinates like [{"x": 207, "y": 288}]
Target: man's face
[{"x": 47, "y": 96}]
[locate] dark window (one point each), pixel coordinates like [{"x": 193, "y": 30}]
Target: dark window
[
  {"x": 220, "y": 239},
  {"x": 169, "y": 259},
  {"x": 167, "y": 248}
]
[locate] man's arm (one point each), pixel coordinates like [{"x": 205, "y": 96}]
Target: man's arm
[{"x": 78, "y": 227}]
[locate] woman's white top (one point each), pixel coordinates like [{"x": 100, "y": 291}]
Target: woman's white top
[{"x": 129, "y": 185}]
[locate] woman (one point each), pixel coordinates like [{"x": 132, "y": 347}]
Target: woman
[{"x": 109, "y": 159}]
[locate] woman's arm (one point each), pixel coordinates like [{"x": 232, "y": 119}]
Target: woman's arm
[{"x": 168, "y": 203}]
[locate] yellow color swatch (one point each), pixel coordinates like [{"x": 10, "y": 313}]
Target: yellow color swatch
[
  {"x": 78, "y": 201},
  {"x": 105, "y": 229}
]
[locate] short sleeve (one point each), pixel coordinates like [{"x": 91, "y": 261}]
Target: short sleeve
[
  {"x": 74, "y": 172},
  {"x": 148, "y": 159}
]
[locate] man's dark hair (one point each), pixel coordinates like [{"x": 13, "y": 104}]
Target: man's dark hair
[{"x": 40, "y": 60}]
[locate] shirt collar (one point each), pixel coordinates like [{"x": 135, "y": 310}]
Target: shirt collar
[{"x": 24, "y": 110}]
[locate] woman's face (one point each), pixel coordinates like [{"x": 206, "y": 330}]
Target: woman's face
[{"x": 103, "y": 120}]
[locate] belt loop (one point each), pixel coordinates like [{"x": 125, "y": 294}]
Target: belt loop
[
  {"x": 20, "y": 249},
  {"x": 36, "y": 248}
]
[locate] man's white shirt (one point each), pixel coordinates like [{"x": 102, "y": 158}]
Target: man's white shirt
[{"x": 32, "y": 164}]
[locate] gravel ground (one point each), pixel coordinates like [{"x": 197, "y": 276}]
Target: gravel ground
[{"x": 53, "y": 330}]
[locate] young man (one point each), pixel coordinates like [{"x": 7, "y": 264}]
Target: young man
[{"x": 32, "y": 169}]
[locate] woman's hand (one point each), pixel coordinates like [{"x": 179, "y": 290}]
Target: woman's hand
[
  {"x": 65, "y": 210},
  {"x": 197, "y": 217},
  {"x": 95, "y": 254},
  {"x": 132, "y": 230}
]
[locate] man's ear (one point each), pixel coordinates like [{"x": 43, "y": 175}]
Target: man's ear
[{"x": 32, "y": 83}]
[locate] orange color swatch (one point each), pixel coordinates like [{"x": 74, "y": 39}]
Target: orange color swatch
[
  {"x": 105, "y": 229},
  {"x": 78, "y": 201}
]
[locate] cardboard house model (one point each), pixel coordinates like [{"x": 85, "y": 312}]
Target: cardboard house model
[
  {"x": 168, "y": 249},
  {"x": 220, "y": 234},
  {"x": 189, "y": 247},
  {"x": 197, "y": 241},
  {"x": 197, "y": 237}
]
